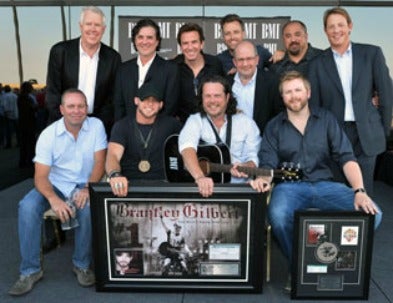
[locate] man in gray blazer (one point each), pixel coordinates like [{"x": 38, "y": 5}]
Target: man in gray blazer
[
  {"x": 344, "y": 79},
  {"x": 85, "y": 63}
]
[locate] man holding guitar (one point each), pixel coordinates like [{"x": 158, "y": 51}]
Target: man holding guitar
[
  {"x": 219, "y": 122},
  {"x": 312, "y": 137}
]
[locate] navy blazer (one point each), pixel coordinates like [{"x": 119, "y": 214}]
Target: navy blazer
[
  {"x": 369, "y": 75},
  {"x": 267, "y": 99},
  {"x": 63, "y": 73},
  {"x": 162, "y": 72}
]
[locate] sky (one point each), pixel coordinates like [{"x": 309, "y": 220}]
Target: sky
[{"x": 40, "y": 28}]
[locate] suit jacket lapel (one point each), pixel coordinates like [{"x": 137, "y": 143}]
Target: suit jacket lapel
[
  {"x": 356, "y": 65},
  {"x": 259, "y": 87},
  {"x": 74, "y": 57},
  {"x": 332, "y": 71}
]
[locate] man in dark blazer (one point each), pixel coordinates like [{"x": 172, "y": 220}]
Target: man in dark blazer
[
  {"x": 255, "y": 89},
  {"x": 85, "y": 63},
  {"x": 147, "y": 66},
  {"x": 344, "y": 79}
]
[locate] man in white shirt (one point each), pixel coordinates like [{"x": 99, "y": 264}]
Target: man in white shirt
[
  {"x": 148, "y": 66},
  {"x": 255, "y": 89},
  {"x": 86, "y": 63}
]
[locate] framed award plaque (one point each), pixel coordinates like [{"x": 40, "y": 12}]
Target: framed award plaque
[
  {"x": 166, "y": 237},
  {"x": 332, "y": 255}
]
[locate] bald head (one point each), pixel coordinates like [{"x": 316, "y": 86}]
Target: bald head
[{"x": 245, "y": 59}]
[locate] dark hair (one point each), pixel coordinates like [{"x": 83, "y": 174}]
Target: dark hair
[
  {"x": 7, "y": 88},
  {"x": 26, "y": 88},
  {"x": 146, "y": 23},
  {"x": 232, "y": 103},
  {"x": 231, "y": 18},
  {"x": 294, "y": 22},
  {"x": 336, "y": 10},
  {"x": 190, "y": 27}
]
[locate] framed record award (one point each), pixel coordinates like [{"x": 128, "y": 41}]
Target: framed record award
[
  {"x": 166, "y": 236},
  {"x": 332, "y": 255}
]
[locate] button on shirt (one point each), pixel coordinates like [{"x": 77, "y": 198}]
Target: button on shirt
[
  {"x": 71, "y": 160},
  {"x": 323, "y": 140},
  {"x": 88, "y": 75},
  {"x": 245, "y": 140},
  {"x": 245, "y": 94}
]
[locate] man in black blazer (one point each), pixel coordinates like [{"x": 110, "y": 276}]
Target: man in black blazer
[
  {"x": 85, "y": 63},
  {"x": 344, "y": 79},
  {"x": 147, "y": 66},
  {"x": 255, "y": 89}
]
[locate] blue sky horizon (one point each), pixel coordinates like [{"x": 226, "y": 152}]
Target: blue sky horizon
[{"x": 40, "y": 28}]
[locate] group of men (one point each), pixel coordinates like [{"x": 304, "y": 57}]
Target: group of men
[{"x": 235, "y": 99}]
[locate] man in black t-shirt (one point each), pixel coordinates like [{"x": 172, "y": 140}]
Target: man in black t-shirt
[{"x": 136, "y": 146}]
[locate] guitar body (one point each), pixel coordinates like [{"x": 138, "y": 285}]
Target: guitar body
[
  {"x": 168, "y": 250},
  {"x": 174, "y": 166}
]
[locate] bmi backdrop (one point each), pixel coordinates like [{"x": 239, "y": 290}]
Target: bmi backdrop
[{"x": 262, "y": 30}]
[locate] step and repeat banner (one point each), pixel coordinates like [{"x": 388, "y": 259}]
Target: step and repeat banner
[{"x": 265, "y": 31}]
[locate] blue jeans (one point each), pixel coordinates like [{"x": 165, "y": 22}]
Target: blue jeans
[
  {"x": 288, "y": 197},
  {"x": 31, "y": 210}
]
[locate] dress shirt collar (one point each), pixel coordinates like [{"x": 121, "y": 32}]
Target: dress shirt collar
[
  {"x": 251, "y": 82},
  {"x": 83, "y": 53},
  {"x": 61, "y": 128},
  {"x": 348, "y": 52}
]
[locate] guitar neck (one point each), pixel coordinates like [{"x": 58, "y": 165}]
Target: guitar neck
[{"x": 250, "y": 171}]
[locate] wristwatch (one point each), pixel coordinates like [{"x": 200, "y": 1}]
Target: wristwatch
[
  {"x": 359, "y": 190},
  {"x": 113, "y": 174}
]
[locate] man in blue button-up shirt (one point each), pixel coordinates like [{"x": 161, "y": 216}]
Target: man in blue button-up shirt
[
  {"x": 70, "y": 153},
  {"x": 312, "y": 138}
]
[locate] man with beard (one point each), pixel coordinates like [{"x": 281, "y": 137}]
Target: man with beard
[
  {"x": 298, "y": 52},
  {"x": 311, "y": 137},
  {"x": 219, "y": 122}
]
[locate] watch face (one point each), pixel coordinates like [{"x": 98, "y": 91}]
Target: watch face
[{"x": 326, "y": 252}]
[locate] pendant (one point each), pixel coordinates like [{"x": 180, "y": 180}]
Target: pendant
[{"x": 144, "y": 166}]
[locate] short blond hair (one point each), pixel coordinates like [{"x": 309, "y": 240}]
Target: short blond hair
[{"x": 291, "y": 75}]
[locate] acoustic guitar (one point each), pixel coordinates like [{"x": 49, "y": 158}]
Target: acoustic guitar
[{"x": 214, "y": 160}]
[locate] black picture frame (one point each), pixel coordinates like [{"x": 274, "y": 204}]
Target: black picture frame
[
  {"x": 222, "y": 232},
  {"x": 332, "y": 254}
]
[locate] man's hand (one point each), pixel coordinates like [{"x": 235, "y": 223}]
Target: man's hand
[
  {"x": 261, "y": 184},
  {"x": 277, "y": 56},
  {"x": 62, "y": 210},
  {"x": 81, "y": 198},
  {"x": 236, "y": 173},
  {"x": 119, "y": 186},
  {"x": 205, "y": 186},
  {"x": 364, "y": 202},
  {"x": 232, "y": 71}
]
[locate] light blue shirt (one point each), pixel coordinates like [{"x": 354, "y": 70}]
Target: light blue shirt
[
  {"x": 71, "y": 160},
  {"x": 245, "y": 139},
  {"x": 245, "y": 94},
  {"x": 344, "y": 67}
]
